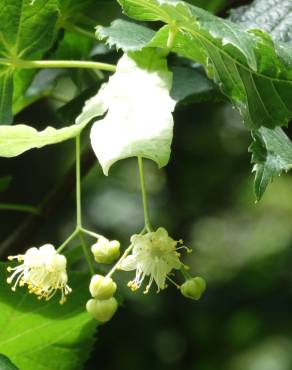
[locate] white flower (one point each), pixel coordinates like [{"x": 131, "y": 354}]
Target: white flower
[
  {"x": 155, "y": 255},
  {"x": 43, "y": 270}
]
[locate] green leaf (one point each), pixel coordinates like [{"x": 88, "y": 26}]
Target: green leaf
[
  {"x": 6, "y": 364},
  {"x": 75, "y": 47},
  {"x": 15, "y": 140},
  {"x": 89, "y": 12},
  {"x": 26, "y": 32},
  {"x": 191, "y": 85},
  {"x": 272, "y": 16},
  {"x": 250, "y": 71},
  {"x": 272, "y": 154},
  {"x": 272, "y": 149},
  {"x": 139, "y": 120},
  {"x": 45, "y": 335},
  {"x": 127, "y": 36}
]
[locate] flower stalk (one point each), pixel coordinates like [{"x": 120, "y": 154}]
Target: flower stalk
[{"x": 144, "y": 196}]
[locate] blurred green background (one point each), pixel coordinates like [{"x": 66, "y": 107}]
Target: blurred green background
[{"x": 205, "y": 196}]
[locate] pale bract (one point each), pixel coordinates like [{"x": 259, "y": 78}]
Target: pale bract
[
  {"x": 139, "y": 121},
  {"x": 155, "y": 255},
  {"x": 43, "y": 270}
]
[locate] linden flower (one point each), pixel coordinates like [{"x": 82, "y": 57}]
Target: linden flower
[
  {"x": 155, "y": 255},
  {"x": 43, "y": 270}
]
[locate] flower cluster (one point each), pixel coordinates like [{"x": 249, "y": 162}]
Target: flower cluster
[
  {"x": 43, "y": 270},
  {"x": 154, "y": 255}
]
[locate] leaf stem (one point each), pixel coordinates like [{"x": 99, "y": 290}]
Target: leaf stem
[
  {"x": 144, "y": 195},
  {"x": 31, "y": 64}
]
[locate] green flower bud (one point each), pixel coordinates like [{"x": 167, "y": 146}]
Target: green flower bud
[
  {"x": 102, "y": 287},
  {"x": 193, "y": 288},
  {"x": 106, "y": 251},
  {"x": 102, "y": 310}
]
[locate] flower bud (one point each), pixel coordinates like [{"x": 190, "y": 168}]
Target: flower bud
[
  {"x": 102, "y": 287},
  {"x": 106, "y": 251},
  {"x": 102, "y": 310},
  {"x": 193, "y": 288}
]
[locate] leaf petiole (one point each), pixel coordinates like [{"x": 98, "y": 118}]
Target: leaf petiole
[{"x": 35, "y": 64}]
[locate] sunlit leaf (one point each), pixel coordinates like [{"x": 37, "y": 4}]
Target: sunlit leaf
[
  {"x": 15, "y": 140},
  {"x": 45, "y": 335}
]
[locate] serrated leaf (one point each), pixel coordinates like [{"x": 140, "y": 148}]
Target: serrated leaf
[
  {"x": 26, "y": 32},
  {"x": 44, "y": 335},
  {"x": 139, "y": 120},
  {"x": 250, "y": 71},
  {"x": 124, "y": 35},
  {"x": 6, "y": 364},
  {"x": 272, "y": 16},
  {"x": 272, "y": 149},
  {"x": 17, "y": 139},
  {"x": 272, "y": 154}
]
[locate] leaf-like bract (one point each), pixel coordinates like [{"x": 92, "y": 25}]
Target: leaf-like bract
[
  {"x": 138, "y": 120},
  {"x": 44, "y": 335},
  {"x": 17, "y": 139}
]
